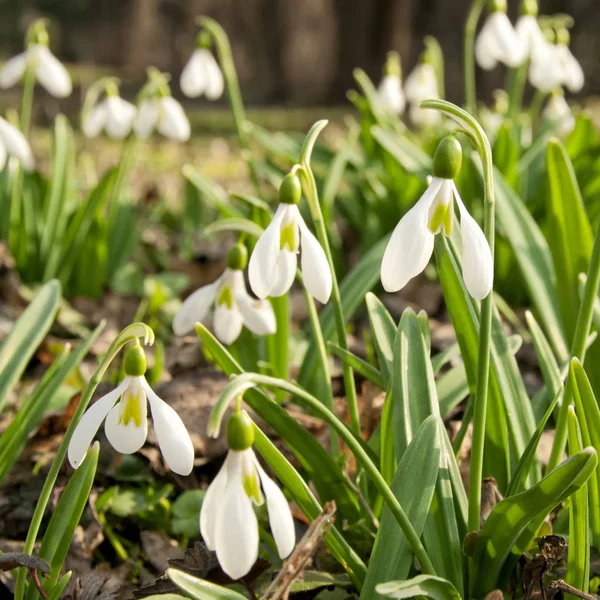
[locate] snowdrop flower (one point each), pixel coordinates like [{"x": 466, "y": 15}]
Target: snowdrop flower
[
  {"x": 202, "y": 74},
  {"x": 113, "y": 114},
  {"x": 571, "y": 72},
  {"x": 14, "y": 143},
  {"x": 234, "y": 307},
  {"x": 272, "y": 267},
  {"x": 498, "y": 41},
  {"x": 411, "y": 244},
  {"x": 421, "y": 83},
  {"x": 49, "y": 71},
  {"x": 227, "y": 520},
  {"x": 559, "y": 112},
  {"x": 124, "y": 412},
  {"x": 166, "y": 115},
  {"x": 390, "y": 91}
]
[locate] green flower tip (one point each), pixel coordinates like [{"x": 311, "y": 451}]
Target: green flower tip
[
  {"x": 237, "y": 258},
  {"x": 530, "y": 7},
  {"x": 134, "y": 362},
  {"x": 563, "y": 36},
  {"x": 240, "y": 431},
  {"x": 203, "y": 39},
  {"x": 447, "y": 158},
  {"x": 392, "y": 64},
  {"x": 37, "y": 33},
  {"x": 290, "y": 191},
  {"x": 498, "y": 6}
]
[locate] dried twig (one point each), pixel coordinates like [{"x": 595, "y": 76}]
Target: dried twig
[
  {"x": 300, "y": 558},
  {"x": 562, "y": 586}
]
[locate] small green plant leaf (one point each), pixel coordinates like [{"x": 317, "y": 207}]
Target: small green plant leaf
[
  {"x": 429, "y": 586},
  {"x": 198, "y": 589}
]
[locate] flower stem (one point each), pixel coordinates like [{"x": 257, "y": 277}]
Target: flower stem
[
  {"x": 27, "y": 99},
  {"x": 233, "y": 91},
  {"x": 578, "y": 349},
  {"x": 127, "y": 335},
  {"x": 469, "y": 57},
  {"x": 535, "y": 108},
  {"x": 312, "y": 195},
  {"x": 252, "y": 379},
  {"x": 519, "y": 77}
]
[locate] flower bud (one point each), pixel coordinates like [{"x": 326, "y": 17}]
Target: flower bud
[
  {"x": 237, "y": 258},
  {"x": 392, "y": 64},
  {"x": 203, "y": 40},
  {"x": 447, "y": 158},
  {"x": 240, "y": 431},
  {"x": 529, "y": 7},
  {"x": 563, "y": 36},
  {"x": 290, "y": 191},
  {"x": 498, "y": 6},
  {"x": 134, "y": 362}
]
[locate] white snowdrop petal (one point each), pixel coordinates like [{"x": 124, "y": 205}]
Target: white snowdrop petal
[
  {"x": 13, "y": 70},
  {"x": 95, "y": 120},
  {"x": 3, "y": 155},
  {"x": 195, "y": 308},
  {"x": 511, "y": 51},
  {"x": 391, "y": 95},
  {"x": 544, "y": 72},
  {"x": 120, "y": 116},
  {"x": 315, "y": 269},
  {"x": 574, "y": 78},
  {"x": 90, "y": 423},
  {"x": 173, "y": 438},
  {"x": 16, "y": 144},
  {"x": 236, "y": 531},
  {"x": 485, "y": 47},
  {"x": 172, "y": 121},
  {"x": 214, "y": 78},
  {"x": 129, "y": 438},
  {"x": 285, "y": 273},
  {"x": 52, "y": 74},
  {"x": 411, "y": 244},
  {"x": 421, "y": 84},
  {"x": 477, "y": 261},
  {"x": 211, "y": 504},
  {"x": 193, "y": 78},
  {"x": 227, "y": 323},
  {"x": 258, "y": 315},
  {"x": 280, "y": 516},
  {"x": 146, "y": 118},
  {"x": 262, "y": 267}
]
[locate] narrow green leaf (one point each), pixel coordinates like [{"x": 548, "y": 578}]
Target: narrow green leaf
[
  {"x": 513, "y": 523},
  {"x": 452, "y": 389},
  {"x": 26, "y": 335},
  {"x": 57, "y": 591},
  {"x": 234, "y": 224},
  {"x": 409, "y": 155},
  {"x": 383, "y": 329},
  {"x": 429, "y": 586},
  {"x": 362, "y": 367},
  {"x": 198, "y": 589},
  {"x": 578, "y": 559},
  {"x": 392, "y": 556},
  {"x": 212, "y": 193}
]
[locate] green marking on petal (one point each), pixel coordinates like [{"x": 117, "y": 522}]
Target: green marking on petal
[
  {"x": 252, "y": 488},
  {"x": 132, "y": 410},
  {"x": 225, "y": 296},
  {"x": 441, "y": 219},
  {"x": 287, "y": 238}
]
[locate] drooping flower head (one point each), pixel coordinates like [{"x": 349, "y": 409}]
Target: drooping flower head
[
  {"x": 233, "y": 306},
  {"x": 273, "y": 263},
  {"x": 571, "y": 73},
  {"x": 558, "y": 112},
  {"x": 422, "y": 84},
  {"x": 228, "y": 523},
  {"x": 202, "y": 74},
  {"x": 112, "y": 114},
  {"x": 390, "y": 91},
  {"x": 124, "y": 412},
  {"x": 14, "y": 143},
  {"x": 529, "y": 32},
  {"x": 49, "y": 71},
  {"x": 411, "y": 244},
  {"x": 157, "y": 109},
  {"x": 498, "y": 41}
]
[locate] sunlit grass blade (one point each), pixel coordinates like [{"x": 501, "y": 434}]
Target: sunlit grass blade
[
  {"x": 361, "y": 366},
  {"x": 26, "y": 335},
  {"x": 383, "y": 330},
  {"x": 199, "y": 589},
  {"x": 428, "y": 586},
  {"x": 212, "y": 194}
]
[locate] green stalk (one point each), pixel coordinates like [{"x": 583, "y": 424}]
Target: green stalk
[
  {"x": 249, "y": 380},
  {"x": 582, "y": 331},
  {"x": 309, "y": 186},
  {"x": 27, "y": 99},
  {"x": 473, "y": 128},
  {"x": 126, "y": 163},
  {"x": 469, "y": 57},
  {"x": 129, "y": 334},
  {"x": 519, "y": 78},
  {"x": 535, "y": 108},
  {"x": 233, "y": 91},
  {"x": 324, "y": 362},
  {"x": 278, "y": 342}
]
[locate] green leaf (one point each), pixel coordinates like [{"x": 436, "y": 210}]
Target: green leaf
[
  {"x": 578, "y": 558},
  {"x": 383, "y": 329},
  {"x": 532, "y": 253},
  {"x": 200, "y": 589},
  {"x": 211, "y": 193},
  {"x": 569, "y": 231},
  {"x": 59, "y": 588},
  {"x": 513, "y": 523},
  {"x": 319, "y": 464},
  {"x": 359, "y": 365},
  {"x": 429, "y": 586},
  {"x": 506, "y": 153},
  {"x": 65, "y": 518},
  {"x": 410, "y": 156},
  {"x": 452, "y": 389},
  {"x": 392, "y": 556},
  {"x": 26, "y": 335},
  {"x": 185, "y": 511},
  {"x": 234, "y": 224}
]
